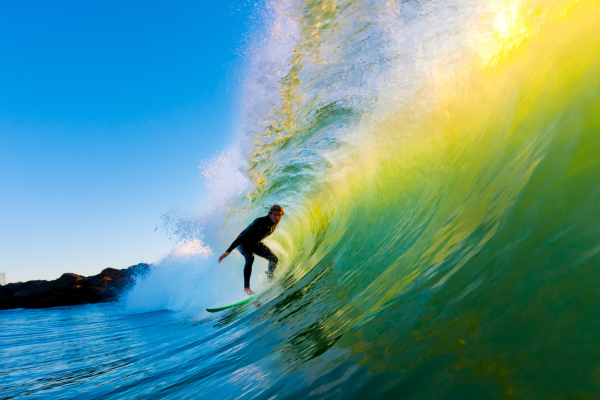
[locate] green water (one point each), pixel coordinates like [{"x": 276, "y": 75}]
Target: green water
[{"x": 443, "y": 230}]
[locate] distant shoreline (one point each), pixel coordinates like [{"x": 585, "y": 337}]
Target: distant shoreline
[{"x": 71, "y": 289}]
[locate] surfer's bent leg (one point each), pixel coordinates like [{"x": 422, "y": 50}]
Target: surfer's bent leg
[
  {"x": 263, "y": 251},
  {"x": 247, "y": 253}
]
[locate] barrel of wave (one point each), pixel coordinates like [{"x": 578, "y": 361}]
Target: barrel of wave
[{"x": 489, "y": 212}]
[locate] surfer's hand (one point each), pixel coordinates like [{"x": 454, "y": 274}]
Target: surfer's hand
[{"x": 223, "y": 256}]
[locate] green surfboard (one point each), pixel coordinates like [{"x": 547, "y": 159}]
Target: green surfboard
[{"x": 239, "y": 303}]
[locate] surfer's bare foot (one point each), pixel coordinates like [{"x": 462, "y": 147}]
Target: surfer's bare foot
[{"x": 248, "y": 291}]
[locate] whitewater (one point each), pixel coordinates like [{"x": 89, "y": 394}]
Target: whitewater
[{"x": 439, "y": 167}]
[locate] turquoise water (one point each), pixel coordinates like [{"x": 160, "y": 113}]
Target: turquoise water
[{"x": 439, "y": 167}]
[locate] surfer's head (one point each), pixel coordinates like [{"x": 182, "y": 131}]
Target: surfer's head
[{"x": 276, "y": 213}]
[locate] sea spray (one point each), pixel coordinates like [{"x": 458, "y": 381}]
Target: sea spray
[{"x": 189, "y": 279}]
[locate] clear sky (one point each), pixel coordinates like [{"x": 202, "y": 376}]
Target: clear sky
[{"x": 106, "y": 110}]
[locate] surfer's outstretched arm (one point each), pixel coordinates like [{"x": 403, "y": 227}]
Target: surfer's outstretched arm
[{"x": 245, "y": 235}]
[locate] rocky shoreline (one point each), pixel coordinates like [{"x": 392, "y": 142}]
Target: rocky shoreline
[{"x": 71, "y": 289}]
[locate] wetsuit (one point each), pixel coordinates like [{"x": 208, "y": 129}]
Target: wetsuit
[{"x": 249, "y": 242}]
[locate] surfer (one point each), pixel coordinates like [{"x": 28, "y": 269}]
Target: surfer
[{"x": 249, "y": 242}]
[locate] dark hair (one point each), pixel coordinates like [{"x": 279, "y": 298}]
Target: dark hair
[{"x": 276, "y": 208}]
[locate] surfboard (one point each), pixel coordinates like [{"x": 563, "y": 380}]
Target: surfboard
[{"x": 239, "y": 303}]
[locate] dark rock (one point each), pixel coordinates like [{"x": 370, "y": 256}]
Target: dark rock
[
  {"x": 5, "y": 303},
  {"x": 6, "y": 291},
  {"x": 15, "y": 287},
  {"x": 95, "y": 280},
  {"x": 72, "y": 289},
  {"x": 111, "y": 272},
  {"x": 45, "y": 286},
  {"x": 67, "y": 281},
  {"x": 84, "y": 283},
  {"x": 32, "y": 288},
  {"x": 58, "y": 295}
]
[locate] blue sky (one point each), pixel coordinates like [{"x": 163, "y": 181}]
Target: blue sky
[{"x": 106, "y": 110}]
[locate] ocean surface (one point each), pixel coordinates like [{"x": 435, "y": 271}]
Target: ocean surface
[{"x": 439, "y": 167}]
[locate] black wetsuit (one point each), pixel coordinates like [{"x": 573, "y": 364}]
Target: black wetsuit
[{"x": 250, "y": 243}]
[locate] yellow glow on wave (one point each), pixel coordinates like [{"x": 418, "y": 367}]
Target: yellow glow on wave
[
  {"x": 507, "y": 24},
  {"x": 531, "y": 72}
]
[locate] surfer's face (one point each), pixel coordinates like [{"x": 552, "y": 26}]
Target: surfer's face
[{"x": 275, "y": 216}]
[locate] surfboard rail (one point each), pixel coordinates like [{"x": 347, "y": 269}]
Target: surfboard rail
[{"x": 239, "y": 303}]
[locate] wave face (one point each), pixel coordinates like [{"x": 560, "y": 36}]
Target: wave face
[{"x": 438, "y": 162}]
